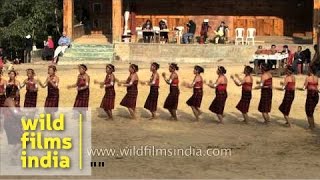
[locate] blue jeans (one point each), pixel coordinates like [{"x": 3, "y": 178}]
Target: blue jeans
[{"x": 186, "y": 37}]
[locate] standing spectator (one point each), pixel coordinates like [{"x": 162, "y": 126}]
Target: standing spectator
[
  {"x": 63, "y": 44},
  {"x": 147, "y": 35},
  {"x": 48, "y": 49},
  {"x": 315, "y": 62},
  {"x": 221, "y": 33},
  {"x": 191, "y": 31},
  {"x": 204, "y": 31},
  {"x": 298, "y": 61},
  {"x": 307, "y": 59},
  {"x": 27, "y": 49}
]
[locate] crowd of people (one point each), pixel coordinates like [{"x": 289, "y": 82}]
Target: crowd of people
[
  {"x": 10, "y": 91},
  {"x": 189, "y": 35},
  {"x": 300, "y": 60}
]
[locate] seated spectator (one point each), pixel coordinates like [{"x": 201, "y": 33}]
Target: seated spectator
[
  {"x": 204, "y": 31},
  {"x": 289, "y": 59},
  {"x": 259, "y": 50},
  {"x": 221, "y": 33},
  {"x": 273, "y": 50},
  {"x": 190, "y": 33},
  {"x": 163, "y": 35},
  {"x": 147, "y": 35},
  {"x": 63, "y": 43},
  {"x": 48, "y": 50},
  {"x": 258, "y": 62}
]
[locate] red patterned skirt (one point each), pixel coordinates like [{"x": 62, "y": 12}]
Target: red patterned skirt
[
  {"x": 217, "y": 105},
  {"x": 108, "y": 99},
  {"x": 2, "y": 99},
  {"x": 311, "y": 102},
  {"x": 196, "y": 98},
  {"x": 265, "y": 100},
  {"x": 152, "y": 100},
  {"x": 172, "y": 100},
  {"x": 52, "y": 100},
  {"x": 82, "y": 99},
  {"x": 130, "y": 99},
  {"x": 285, "y": 106},
  {"x": 244, "y": 103},
  {"x": 30, "y": 99}
]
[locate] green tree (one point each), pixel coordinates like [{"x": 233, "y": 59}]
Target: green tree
[{"x": 38, "y": 18}]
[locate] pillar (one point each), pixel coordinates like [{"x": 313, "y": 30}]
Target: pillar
[
  {"x": 116, "y": 20},
  {"x": 68, "y": 13}
]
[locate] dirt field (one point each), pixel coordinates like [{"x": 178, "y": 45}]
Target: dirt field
[{"x": 258, "y": 150}]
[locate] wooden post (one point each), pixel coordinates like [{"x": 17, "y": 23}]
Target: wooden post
[
  {"x": 316, "y": 21},
  {"x": 116, "y": 20},
  {"x": 68, "y": 7}
]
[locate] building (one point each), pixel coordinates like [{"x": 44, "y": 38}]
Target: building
[{"x": 270, "y": 18}]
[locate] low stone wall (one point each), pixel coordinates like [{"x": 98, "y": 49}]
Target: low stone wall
[{"x": 188, "y": 53}]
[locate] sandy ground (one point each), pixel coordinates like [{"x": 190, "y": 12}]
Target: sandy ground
[{"x": 258, "y": 150}]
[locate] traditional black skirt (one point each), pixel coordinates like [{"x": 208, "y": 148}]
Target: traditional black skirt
[
  {"x": 311, "y": 102},
  {"x": 196, "y": 98},
  {"x": 285, "y": 106},
  {"x": 265, "y": 100},
  {"x": 172, "y": 100},
  {"x": 244, "y": 103},
  {"x": 130, "y": 99},
  {"x": 2, "y": 99},
  {"x": 217, "y": 105},
  {"x": 152, "y": 100}
]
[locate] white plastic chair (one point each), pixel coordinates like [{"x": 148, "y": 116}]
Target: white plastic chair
[
  {"x": 139, "y": 33},
  {"x": 251, "y": 33},
  {"x": 239, "y": 36},
  {"x": 156, "y": 29},
  {"x": 179, "y": 33}
]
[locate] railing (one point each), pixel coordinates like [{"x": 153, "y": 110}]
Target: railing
[{"x": 78, "y": 31}]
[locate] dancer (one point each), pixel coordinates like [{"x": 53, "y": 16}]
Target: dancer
[
  {"x": 289, "y": 86},
  {"x": 82, "y": 85},
  {"x": 195, "y": 100},
  {"x": 152, "y": 100},
  {"x": 266, "y": 92},
  {"x": 246, "y": 83},
  {"x": 217, "y": 105},
  {"x": 14, "y": 82},
  {"x": 3, "y": 84},
  {"x": 31, "y": 88},
  {"x": 12, "y": 124},
  {"x": 109, "y": 97},
  {"x": 52, "y": 82},
  {"x": 172, "y": 100},
  {"x": 311, "y": 85},
  {"x": 130, "y": 99}
]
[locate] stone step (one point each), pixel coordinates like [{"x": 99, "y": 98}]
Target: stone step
[
  {"x": 91, "y": 46},
  {"x": 88, "y": 50},
  {"x": 73, "y": 61},
  {"x": 94, "y": 55}
]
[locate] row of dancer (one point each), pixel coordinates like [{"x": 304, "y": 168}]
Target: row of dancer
[{"x": 171, "y": 103}]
